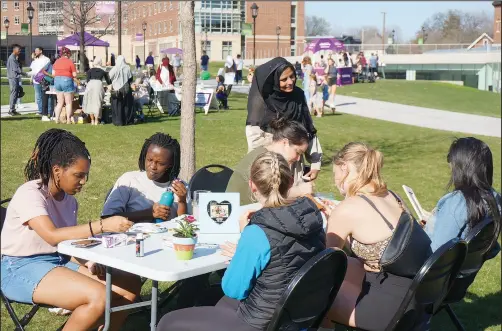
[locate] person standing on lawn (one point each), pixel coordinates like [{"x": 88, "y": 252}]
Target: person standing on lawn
[
  {"x": 204, "y": 61},
  {"x": 177, "y": 64},
  {"x": 39, "y": 62},
  {"x": 14, "y": 73},
  {"x": 239, "y": 66}
]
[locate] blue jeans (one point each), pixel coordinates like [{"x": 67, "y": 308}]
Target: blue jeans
[
  {"x": 203, "y": 67},
  {"x": 38, "y": 96},
  {"x": 64, "y": 84},
  {"x": 22, "y": 274}
]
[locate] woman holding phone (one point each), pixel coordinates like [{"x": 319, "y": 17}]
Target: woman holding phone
[{"x": 43, "y": 213}]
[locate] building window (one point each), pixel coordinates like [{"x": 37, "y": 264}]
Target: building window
[
  {"x": 154, "y": 8},
  {"x": 165, "y": 26},
  {"x": 4, "y": 5},
  {"x": 126, "y": 16},
  {"x": 165, "y": 6},
  {"x": 16, "y": 5},
  {"x": 293, "y": 33},
  {"x": 144, "y": 11},
  {"x": 171, "y": 28},
  {"x": 159, "y": 28},
  {"x": 170, "y": 5},
  {"x": 226, "y": 49},
  {"x": 498, "y": 25},
  {"x": 150, "y": 30},
  {"x": 16, "y": 20},
  {"x": 293, "y": 14},
  {"x": 149, "y": 10}
]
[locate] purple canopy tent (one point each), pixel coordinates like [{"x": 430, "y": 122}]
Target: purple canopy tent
[
  {"x": 89, "y": 40},
  {"x": 172, "y": 50},
  {"x": 325, "y": 44}
]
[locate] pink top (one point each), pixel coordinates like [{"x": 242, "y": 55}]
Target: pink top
[{"x": 18, "y": 239}]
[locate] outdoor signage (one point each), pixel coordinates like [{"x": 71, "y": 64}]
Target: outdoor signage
[
  {"x": 139, "y": 37},
  {"x": 345, "y": 75},
  {"x": 105, "y": 7},
  {"x": 25, "y": 28},
  {"x": 247, "y": 29}
]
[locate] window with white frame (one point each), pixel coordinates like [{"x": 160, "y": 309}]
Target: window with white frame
[
  {"x": 165, "y": 26},
  {"x": 206, "y": 46},
  {"x": 165, "y": 5},
  {"x": 154, "y": 8},
  {"x": 149, "y": 10},
  {"x": 4, "y": 4},
  {"x": 171, "y": 28},
  {"x": 144, "y": 11},
  {"x": 159, "y": 28},
  {"x": 226, "y": 49},
  {"x": 170, "y": 5},
  {"x": 17, "y": 21},
  {"x": 293, "y": 14},
  {"x": 150, "y": 30},
  {"x": 16, "y": 5},
  {"x": 126, "y": 16}
]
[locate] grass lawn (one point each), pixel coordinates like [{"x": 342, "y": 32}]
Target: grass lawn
[
  {"x": 413, "y": 156},
  {"x": 430, "y": 95}
]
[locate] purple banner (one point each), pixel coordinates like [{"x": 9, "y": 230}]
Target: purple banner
[
  {"x": 105, "y": 7},
  {"x": 344, "y": 76},
  {"x": 324, "y": 44},
  {"x": 139, "y": 37}
]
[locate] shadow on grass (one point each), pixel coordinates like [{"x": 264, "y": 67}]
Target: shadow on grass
[{"x": 346, "y": 104}]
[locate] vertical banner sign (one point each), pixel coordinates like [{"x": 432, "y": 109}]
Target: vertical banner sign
[
  {"x": 25, "y": 28},
  {"x": 247, "y": 29},
  {"x": 105, "y": 7}
]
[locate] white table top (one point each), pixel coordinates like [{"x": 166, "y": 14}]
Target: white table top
[{"x": 159, "y": 262}]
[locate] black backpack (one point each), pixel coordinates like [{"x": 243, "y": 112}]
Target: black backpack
[{"x": 20, "y": 92}]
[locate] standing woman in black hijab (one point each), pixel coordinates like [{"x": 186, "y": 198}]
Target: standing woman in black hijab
[{"x": 274, "y": 94}]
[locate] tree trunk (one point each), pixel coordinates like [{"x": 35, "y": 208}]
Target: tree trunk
[{"x": 187, "y": 129}]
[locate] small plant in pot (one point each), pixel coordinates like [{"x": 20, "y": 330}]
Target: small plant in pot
[{"x": 185, "y": 237}]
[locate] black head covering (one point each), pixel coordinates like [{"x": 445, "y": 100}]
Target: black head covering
[{"x": 266, "y": 101}]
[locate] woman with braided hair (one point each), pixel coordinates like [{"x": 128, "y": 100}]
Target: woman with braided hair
[
  {"x": 43, "y": 213},
  {"x": 274, "y": 244},
  {"x": 135, "y": 195}
]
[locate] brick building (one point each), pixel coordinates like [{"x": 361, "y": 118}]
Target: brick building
[
  {"x": 16, "y": 12},
  {"x": 218, "y": 27},
  {"x": 496, "y": 21}
]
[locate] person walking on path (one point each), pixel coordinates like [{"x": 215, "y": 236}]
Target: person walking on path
[
  {"x": 149, "y": 62},
  {"x": 14, "y": 73},
  {"x": 138, "y": 63},
  {"x": 204, "y": 61},
  {"x": 39, "y": 62}
]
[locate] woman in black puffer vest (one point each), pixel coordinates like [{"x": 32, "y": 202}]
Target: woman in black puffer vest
[{"x": 279, "y": 239}]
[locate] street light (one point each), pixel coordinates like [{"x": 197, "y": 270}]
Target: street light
[
  {"x": 144, "y": 43},
  {"x": 278, "y": 32},
  {"x": 254, "y": 13},
  {"x": 31, "y": 14},
  {"x": 6, "y": 26},
  {"x": 393, "y": 36}
]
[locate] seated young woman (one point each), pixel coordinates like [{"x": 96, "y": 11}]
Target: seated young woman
[
  {"x": 365, "y": 219},
  {"x": 43, "y": 213},
  {"x": 265, "y": 261},
  {"x": 291, "y": 140},
  {"x": 135, "y": 195},
  {"x": 473, "y": 198}
]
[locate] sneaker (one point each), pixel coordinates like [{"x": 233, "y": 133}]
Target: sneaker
[
  {"x": 60, "y": 311},
  {"x": 45, "y": 119}
]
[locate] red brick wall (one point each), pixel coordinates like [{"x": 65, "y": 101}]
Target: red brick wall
[{"x": 10, "y": 12}]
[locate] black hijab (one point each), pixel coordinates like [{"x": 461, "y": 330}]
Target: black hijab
[{"x": 266, "y": 101}]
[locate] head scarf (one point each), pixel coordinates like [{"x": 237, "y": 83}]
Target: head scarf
[
  {"x": 120, "y": 74},
  {"x": 229, "y": 63},
  {"x": 266, "y": 101},
  {"x": 65, "y": 51},
  {"x": 97, "y": 62},
  {"x": 165, "y": 63}
]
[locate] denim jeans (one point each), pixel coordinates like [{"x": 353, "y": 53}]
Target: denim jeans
[{"x": 38, "y": 96}]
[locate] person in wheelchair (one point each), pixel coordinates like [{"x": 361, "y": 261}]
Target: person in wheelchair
[{"x": 221, "y": 92}]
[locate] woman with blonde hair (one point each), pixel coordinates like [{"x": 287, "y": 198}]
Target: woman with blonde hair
[
  {"x": 365, "y": 220},
  {"x": 275, "y": 243}
]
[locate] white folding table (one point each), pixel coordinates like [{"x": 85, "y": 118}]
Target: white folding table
[{"x": 158, "y": 264}]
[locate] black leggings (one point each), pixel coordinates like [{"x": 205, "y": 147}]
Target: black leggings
[
  {"x": 45, "y": 104},
  {"x": 222, "y": 317}
]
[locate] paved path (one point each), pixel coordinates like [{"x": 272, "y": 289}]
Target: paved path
[{"x": 387, "y": 111}]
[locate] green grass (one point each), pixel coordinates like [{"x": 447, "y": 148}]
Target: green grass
[
  {"x": 413, "y": 156},
  {"x": 28, "y": 97},
  {"x": 429, "y": 95}
]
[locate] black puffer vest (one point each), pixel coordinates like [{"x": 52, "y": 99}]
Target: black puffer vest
[{"x": 295, "y": 234}]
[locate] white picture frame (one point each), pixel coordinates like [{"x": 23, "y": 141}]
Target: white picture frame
[{"x": 219, "y": 217}]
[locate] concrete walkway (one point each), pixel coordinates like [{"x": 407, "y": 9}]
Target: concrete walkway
[{"x": 381, "y": 110}]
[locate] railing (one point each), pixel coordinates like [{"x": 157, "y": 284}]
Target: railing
[{"x": 271, "y": 51}]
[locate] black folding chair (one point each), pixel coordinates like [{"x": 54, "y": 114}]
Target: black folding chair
[
  {"x": 204, "y": 179},
  {"x": 429, "y": 288},
  {"x": 20, "y": 324},
  {"x": 152, "y": 101},
  {"x": 311, "y": 292},
  {"x": 482, "y": 245}
]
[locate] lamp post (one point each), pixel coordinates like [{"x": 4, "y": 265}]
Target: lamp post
[
  {"x": 254, "y": 14},
  {"x": 278, "y": 32},
  {"x": 31, "y": 14},
  {"x": 6, "y": 26},
  {"x": 144, "y": 43}
]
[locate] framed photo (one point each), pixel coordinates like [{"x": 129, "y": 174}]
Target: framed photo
[{"x": 218, "y": 216}]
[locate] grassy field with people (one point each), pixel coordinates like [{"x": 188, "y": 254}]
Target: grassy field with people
[{"x": 413, "y": 156}]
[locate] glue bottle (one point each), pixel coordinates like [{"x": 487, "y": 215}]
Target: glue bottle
[{"x": 166, "y": 199}]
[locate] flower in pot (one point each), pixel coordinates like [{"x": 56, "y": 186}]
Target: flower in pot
[{"x": 185, "y": 237}]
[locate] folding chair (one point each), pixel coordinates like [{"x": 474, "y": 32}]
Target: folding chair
[
  {"x": 20, "y": 324},
  {"x": 204, "y": 179},
  {"x": 311, "y": 292},
  {"x": 429, "y": 288},
  {"x": 152, "y": 103},
  {"x": 482, "y": 245}
]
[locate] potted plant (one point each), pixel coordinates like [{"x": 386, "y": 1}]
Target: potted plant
[{"x": 185, "y": 237}]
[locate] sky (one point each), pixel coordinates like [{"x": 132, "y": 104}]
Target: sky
[{"x": 408, "y": 15}]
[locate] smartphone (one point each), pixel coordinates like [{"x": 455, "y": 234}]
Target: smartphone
[
  {"x": 306, "y": 170},
  {"x": 86, "y": 243}
]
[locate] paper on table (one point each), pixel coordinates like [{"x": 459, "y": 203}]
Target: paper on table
[{"x": 148, "y": 228}]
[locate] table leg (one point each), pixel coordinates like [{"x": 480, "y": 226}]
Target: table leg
[
  {"x": 108, "y": 305},
  {"x": 155, "y": 293}
]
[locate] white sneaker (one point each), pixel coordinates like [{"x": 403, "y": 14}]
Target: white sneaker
[
  {"x": 60, "y": 311},
  {"x": 45, "y": 119}
]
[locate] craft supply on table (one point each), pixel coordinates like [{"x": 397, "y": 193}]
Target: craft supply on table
[
  {"x": 140, "y": 245},
  {"x": 166, "y": 199},
  {"x": 111, "y": 240},
  {"x": 148, "y": 228}
]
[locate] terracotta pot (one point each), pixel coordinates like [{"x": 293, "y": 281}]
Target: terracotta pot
[{"x": 184, "y": 247}]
